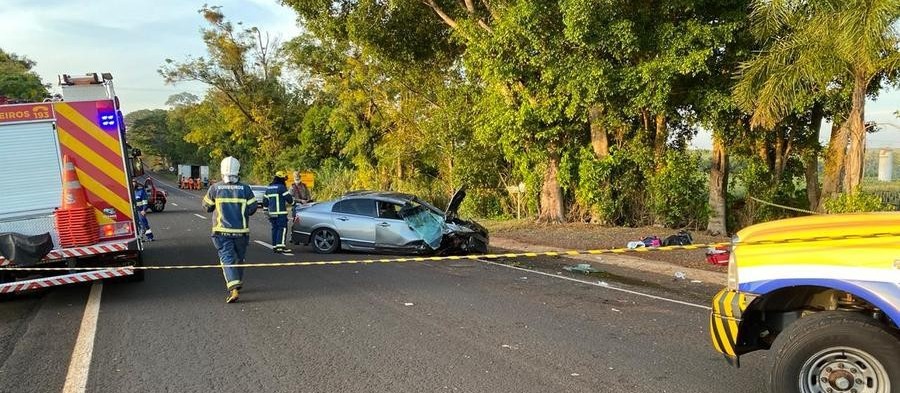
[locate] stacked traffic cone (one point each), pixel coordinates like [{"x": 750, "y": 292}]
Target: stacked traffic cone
[{"x": 76, "y": 223}]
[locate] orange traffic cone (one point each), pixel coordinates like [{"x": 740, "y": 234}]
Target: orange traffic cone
[
  {"x": 76, "y": 223},
  {"x": 74, "y": 196}
]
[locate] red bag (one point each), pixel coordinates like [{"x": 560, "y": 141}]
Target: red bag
[{"x": 718, "y": 256}]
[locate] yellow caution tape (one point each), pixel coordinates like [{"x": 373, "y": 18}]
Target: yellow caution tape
[{"x": 476, "y": 257}]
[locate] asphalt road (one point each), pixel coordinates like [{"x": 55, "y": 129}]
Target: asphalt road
[{"x": 461, "y": 326}]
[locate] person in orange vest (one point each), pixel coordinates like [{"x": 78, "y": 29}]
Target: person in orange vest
[{"x": 140, "y": 201}]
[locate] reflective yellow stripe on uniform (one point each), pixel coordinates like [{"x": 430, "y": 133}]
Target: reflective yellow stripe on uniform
[
  {"x": 276, "y": 212},
  {"x": 220, "y": 227}
]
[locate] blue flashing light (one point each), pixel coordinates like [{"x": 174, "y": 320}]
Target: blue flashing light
[{"x": 107, "y": 118}]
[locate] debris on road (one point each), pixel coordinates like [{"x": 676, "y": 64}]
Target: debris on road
[
  {"x": 584, "y": 268},
  {"x": 680, "y": 276},
  {"x": 408, "y": 304}
]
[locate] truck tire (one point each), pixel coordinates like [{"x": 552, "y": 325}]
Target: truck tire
[
  {"x": 139, "y": 274},
  {"x": 836, "y": 351}
]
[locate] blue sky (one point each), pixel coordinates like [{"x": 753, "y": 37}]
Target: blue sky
[{"x": 131, "y": 39}]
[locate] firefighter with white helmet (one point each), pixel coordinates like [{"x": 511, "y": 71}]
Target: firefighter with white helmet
[{"x": 233, "y": 203}]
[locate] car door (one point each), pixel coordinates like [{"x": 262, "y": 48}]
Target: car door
[
  {"x": 355, "y": 222},
  {"x": 391, "y": 231}
]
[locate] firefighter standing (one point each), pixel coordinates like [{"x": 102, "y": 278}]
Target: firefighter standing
[
  {"x": 140, "y": 200},
  {"x": 277, "y": 199},
  {"x": 233, "y": 203}
]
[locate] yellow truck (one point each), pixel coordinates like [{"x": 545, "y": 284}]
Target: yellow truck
[{"x": 829, "y": 308}]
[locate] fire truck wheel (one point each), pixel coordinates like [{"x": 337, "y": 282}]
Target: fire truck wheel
[
  {"x": 836, "y": 351},
  {"x": 138, "y": 275}
]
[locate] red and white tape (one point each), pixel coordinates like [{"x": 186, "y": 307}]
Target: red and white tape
[{"x": 73, "y": 278}]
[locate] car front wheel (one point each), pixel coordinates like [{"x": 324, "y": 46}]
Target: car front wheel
[
  {"x": 158, "y": 205},
  {"x": 325, "y": 241},
  {"x": 836, "y": 351}
]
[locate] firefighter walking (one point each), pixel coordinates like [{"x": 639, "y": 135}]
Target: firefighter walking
[
  {"x": 233, "y": 203},
  {"x": 277, "y": 199}
]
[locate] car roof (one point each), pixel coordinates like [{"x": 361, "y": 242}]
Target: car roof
[{"x": 397, "y": 197}]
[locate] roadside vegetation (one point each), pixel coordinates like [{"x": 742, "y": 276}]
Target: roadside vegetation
[{"x": 592, "y": 106}]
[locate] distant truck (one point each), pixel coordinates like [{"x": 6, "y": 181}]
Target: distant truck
[
  {"x": 83, "y": 137},
  {"x": 193, "y": 176},
  {"x": 829, "y": 309}
]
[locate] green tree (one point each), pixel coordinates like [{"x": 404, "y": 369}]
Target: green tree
[
  {"x": 844, "y": 46},
  {"x": 148, "y": 131},
  {"x": 18, "y": 81},
  {"x": 260, "y": 111}
]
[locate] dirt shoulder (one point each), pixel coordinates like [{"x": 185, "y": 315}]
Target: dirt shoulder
[{"x": 530, "y": 236}]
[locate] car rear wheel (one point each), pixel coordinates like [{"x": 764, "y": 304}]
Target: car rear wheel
[
  {"x": 325, "y": 241},
  {"x": 836, "y": 351}
]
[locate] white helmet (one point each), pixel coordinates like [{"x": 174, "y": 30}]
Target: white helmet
[{"x": 230, "y": 167}]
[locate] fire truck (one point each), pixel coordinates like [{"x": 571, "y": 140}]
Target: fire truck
[{"x": 49, "y": 151}]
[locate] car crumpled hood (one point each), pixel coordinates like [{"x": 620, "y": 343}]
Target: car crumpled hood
[{"x": 452, "y": 210}]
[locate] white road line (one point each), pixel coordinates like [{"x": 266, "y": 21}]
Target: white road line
[
  {"x": 601, "y": 285},
  {"x": 264, "y": 244},
  {"x": 79, "y": 366},
  {"x": 200, "y": 216}
]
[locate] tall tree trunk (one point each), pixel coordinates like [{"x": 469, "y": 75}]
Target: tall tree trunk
[
  {"x": 835, "y": 158},
  {"x": 811, "y": 158},
  {"x": 659, "y": 140},
  {"x": 857, "y": 150},
  {"x": 552, "y": 207},
  {"x": 621, "y": 132},
  {"x": 718, "y": 188},
  {"x": 780, "y": 159},
  {"x": 599, "y": 137},
  {"x": 645, "y": 121}
]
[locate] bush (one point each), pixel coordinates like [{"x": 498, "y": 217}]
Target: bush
[
  {"x": 614, "y": 188},
  {"x": 857, "y": 202},
  {"x": 679, "y": 193},
  {"x": 332, "y": 180}
]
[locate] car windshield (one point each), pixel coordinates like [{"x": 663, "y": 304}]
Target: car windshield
[
  {"x": 425, "y": 222},
  {"x": 416, "y": 201}
]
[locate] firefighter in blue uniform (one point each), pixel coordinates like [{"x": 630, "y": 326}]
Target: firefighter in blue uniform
[
  {"x": 277, "y": 199},
  {"x": 140, "y": 201},
  {"x": 233, "y": 203}
]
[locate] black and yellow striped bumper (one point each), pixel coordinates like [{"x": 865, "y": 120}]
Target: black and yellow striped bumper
[{"x": 725, "y": 321}]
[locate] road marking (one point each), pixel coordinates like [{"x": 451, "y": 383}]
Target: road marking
[
  {"x": 601, "y": 285},
  {"x": 174, "y": 204},
  {"x": 79, "y": 366},
  {"x": 264, "y": 244},
  {"x": 200, "y": 216}
]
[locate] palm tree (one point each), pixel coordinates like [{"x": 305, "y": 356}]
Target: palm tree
[{"x": 811, "y": 48}]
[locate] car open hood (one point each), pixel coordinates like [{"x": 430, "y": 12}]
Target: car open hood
[{"x": 453, "y": 206}]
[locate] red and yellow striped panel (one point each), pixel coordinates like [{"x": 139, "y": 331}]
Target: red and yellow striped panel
[{"x": 97, "y": 154}]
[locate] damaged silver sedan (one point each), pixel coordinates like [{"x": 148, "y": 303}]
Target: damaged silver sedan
[{"x": 387, "y": 222}]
